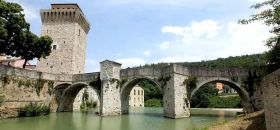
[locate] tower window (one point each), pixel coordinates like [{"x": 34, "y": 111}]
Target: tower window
[
  {"x": 79, "y": 32},
  {"x": 54, "y": 47}
]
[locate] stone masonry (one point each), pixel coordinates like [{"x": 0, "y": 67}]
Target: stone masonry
[
  {"x": 109, "y": 87},
  {"x": 68, "y": 27},
  {"x": 110, "y": 97},
  {"x": 271, "y": 96}
]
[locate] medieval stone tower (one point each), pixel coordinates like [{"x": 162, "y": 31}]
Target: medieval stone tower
[{"x": 67, "y": 26}]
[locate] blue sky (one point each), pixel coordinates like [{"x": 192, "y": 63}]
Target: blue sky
[{"x": 135, "y": 32}]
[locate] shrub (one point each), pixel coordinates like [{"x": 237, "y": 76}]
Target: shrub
[
  {"x": 153, "y": 103},
  {"x": 83, "y": 107},
  {"x": 91, "y": 104},
  {"x": 225, "y": 102},
  {"x": 34, "y": 109}
]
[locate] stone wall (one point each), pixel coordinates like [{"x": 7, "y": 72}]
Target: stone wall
[
  {"x": 21, "y": 87},
  {"x": 208, "y": 72},
  {"x": 20, "y": 91},
  {"x": 257, "y": 98},
  {"x": 148, "y": 72},
  {"x": 61, "y": 59},
  {"x": 271, "y": 96}
]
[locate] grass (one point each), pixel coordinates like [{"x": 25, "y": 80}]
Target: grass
[{"x": 34, "y": 109}]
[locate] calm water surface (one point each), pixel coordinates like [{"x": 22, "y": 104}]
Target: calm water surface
[{"x": 138, "y": 119}]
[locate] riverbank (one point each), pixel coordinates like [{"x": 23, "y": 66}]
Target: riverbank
[
  {"x": 8, "y": 113},
  {"x": 253, "y": 121},
  {"x": 228, "y": 112}
]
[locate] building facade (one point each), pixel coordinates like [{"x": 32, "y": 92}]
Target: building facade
[
  {"x": 15, "y": 62},
  {"x": 67, "y": 26},
  {"x": 136, "y": 97}
]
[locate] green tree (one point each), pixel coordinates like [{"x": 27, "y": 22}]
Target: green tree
[
  {"x": 201, "y": 99},
  {"x": 15, "y": 36},
  {"x": 153, "y": 103},
  {"x": 151, "y": 90},
  {"x": 190, "y": 84},
  {"x": 33, "y": 47},
  {"x": 271, "y": 17}
]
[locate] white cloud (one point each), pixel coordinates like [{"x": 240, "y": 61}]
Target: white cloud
[
  {"x": 209, "y": 28},
  {"x": 246, "y": 39},
  {"x": 131, "y": 62},
  {"x": 164, "y": 45},
  {"x": 197, "y": 29},
  {"x": 204, "y": 40},
  {"x": 31, "y": 13},
  {"x": 147, "y": 53},
  {"x": 171, "y": 59}
]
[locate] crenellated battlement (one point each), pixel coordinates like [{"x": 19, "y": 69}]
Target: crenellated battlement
[{"x": 61, "y": 13}]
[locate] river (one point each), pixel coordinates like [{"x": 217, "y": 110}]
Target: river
[{"x": 138, "y": 119}]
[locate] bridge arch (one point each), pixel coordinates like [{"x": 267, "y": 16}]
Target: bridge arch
[
  {"x": 128, "y": 86},
  {"x": 57, "y": 94},
  {"x": 245, "y": 98},
  {"x": 69, "y": 95}
]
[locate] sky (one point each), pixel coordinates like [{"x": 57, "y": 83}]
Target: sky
[{"x": 138, "y": 32}]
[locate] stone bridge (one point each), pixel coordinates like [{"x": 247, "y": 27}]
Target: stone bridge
[{"x": 114, "y": 84}]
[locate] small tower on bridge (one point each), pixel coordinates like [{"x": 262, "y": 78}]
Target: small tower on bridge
[{"x": 67, "y": 26}]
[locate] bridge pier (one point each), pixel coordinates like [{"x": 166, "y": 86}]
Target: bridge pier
[
  {"x": 110, "y": 103},
  {"x": 175, "y": 95}
]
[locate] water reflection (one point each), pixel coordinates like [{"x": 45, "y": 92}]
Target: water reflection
[{"x": 138, "y": 119}]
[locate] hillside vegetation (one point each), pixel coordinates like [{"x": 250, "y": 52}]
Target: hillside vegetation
[{"x": 244, "y": 61}]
